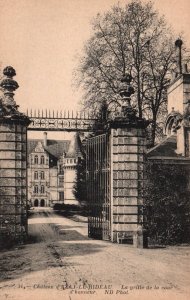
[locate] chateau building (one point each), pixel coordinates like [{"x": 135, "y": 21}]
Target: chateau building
[
  {"x": 45, "y": 182},
  {"x": 52, "y": 170},
  {"x": 175, "y": 147}
]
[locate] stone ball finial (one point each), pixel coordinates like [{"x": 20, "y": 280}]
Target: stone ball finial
[
  {"x": 8, "y": 84},
  {"x": 9, "y": 71},
  {"x": 178, "y": 43}
]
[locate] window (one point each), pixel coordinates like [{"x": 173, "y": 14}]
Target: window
[
  {"x": 35, "y": 175},
  {"x": 42, "y": 161},
  {"x": 61, "y": 196},
  {"x": 42, "y": 189},
  {"x": 36, "y": 159},
  {"x": 61, "y": 171},
  {"x": 42, "y": 174},
  {"x": 61, "y": 181},
  {"x": 36, "y": 189}
]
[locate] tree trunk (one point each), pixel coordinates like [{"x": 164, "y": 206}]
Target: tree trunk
[{"x": 153, "y": 132}]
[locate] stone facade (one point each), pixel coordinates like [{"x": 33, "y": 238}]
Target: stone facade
[
  {"x": 178, "y": 93},
  {"x": 45, "y": 178},
  {"x": 176, "y": 144},
  {"x": 177, "y": 123},
  {"x": 42, "y": 180},
  {"x": 52, "y": 171}
]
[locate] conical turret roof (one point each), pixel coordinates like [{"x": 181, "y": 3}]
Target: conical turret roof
[{"x": 75, "y": 147}]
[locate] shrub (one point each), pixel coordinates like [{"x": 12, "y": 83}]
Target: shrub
[{"x": 167, "y": 203}]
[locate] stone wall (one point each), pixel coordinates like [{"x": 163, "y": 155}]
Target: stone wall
[
  {"x": 13, "y": 185},
  {"x": 179, "y": 93},
  {"x": 13, "y": 157},
  {"x": 128, "y": 148}
]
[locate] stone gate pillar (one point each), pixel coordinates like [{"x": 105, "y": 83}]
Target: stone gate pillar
[
  {"x": 127, "y": 171},
  {"x": 13, "y": 156}
]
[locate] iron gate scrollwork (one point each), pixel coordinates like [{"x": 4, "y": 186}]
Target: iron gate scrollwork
[{"x": 98, "y": 187}]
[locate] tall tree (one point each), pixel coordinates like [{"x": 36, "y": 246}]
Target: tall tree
[{"x": 131, "y": 39}]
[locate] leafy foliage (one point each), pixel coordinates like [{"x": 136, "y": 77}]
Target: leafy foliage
[
  {"x": 132, "y": 39},
  {"x": 167, "y": 203},
  {"x": 79, "y": 189}
]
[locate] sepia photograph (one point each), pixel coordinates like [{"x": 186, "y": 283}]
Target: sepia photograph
[{"x": 94, "y": 149}]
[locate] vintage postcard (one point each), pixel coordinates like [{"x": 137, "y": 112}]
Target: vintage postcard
[{"x": 94, "y": 149}]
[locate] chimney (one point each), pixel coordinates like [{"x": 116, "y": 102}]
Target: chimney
[
  {"x": 178, "y": 44},
  {"x": 45, "y": 139}
]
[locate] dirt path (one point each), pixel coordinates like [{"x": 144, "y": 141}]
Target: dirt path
[{"x": 61, "y": 262}]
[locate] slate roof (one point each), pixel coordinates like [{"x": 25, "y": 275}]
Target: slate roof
[
  {"x": 54, "y": 147},
  {"x": 167, "y": 148},
  {"x": 166, "y": 152},
  {"x": 75, "y": 147}
]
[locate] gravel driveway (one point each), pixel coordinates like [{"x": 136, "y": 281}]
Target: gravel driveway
[{"x": 61, "y": 262}]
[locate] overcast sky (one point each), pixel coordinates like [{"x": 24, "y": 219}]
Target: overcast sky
[{"x": 42, "y": 38}]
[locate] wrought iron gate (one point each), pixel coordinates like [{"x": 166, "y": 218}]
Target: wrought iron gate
[{"x": 98, "y": 187}]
